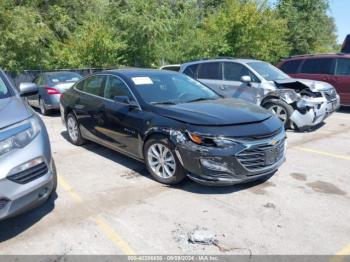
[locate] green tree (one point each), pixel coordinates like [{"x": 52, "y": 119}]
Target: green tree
[
  {"x": 25, "y": 38},
  {"x": 244, "y": 29},
  {"x": 310, "y": 28}
]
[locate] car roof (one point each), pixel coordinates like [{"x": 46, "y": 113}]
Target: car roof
[
  {"x": 229, "y": 59},
  {"x": 131, "y": 72},
  {"x": 307, "y": 56}
]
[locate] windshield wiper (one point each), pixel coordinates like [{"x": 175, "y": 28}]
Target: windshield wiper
[
  {"x": 200, "y": 99},
  {"x": 163, "y": 103}
]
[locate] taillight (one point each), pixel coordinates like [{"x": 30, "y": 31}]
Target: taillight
[{"x": 52, "y": 91}]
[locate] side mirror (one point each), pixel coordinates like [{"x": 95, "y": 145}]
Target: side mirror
[
  {"x": 246, "y": 79},
  {"x": 125, "y": 100},
  {"x": 28, "y": 89}
]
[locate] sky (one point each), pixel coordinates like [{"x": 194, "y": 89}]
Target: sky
[{"x": 340, "y": 10}]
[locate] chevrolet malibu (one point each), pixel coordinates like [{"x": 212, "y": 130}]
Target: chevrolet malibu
[
  {"x": 176, "y": 125},
  {"x": 27, "y": 173}
]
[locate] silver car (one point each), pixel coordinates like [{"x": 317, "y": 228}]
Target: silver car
[
  {"x": 27, "y": 170},
  {"x": 51, "y": 85},
  {"x": 299, "y": 103}
]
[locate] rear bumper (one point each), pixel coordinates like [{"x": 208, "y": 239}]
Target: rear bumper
[{"x": 52, "y": 102}]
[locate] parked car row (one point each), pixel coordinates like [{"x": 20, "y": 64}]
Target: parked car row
[
  {"x": 216, "y": 121},
  {"x": 298, "y": 103}
]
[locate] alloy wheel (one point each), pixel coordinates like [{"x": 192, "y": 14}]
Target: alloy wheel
[
  {"x": 280, "y": 112},
  {"x": 161, "y": 160},
  {"x": 72, "y": 127}
]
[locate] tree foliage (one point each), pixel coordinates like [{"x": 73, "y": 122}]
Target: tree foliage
[
  {"x": 310, "y": 28},
  {"x": 47, "y": 34}
]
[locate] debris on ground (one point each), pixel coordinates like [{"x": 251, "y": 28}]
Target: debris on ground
[{"x": 202, "y": 236}]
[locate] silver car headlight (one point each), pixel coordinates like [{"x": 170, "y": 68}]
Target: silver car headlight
[{"x": 23, "y": 134}]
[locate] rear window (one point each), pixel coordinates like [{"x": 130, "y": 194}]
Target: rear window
[
  {"x": 210, "y": 71},
  {"x": 63, "y": 77},
  {"x": 343, "y": 67},
  {"x": 191, "y": 71},
  {"x": 291, "y": 67},
  {"x": 4, "y": 92},
  {"x": 318, "y": 66}
]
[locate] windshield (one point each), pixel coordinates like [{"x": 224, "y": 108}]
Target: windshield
[
  {"x": 162, "y": 88},
  {"x": 267, "y": 71},
  {"x": 4, "y": 92},
  {"x": 62, "y": 77}
]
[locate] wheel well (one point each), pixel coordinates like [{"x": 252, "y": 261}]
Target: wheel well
[
  {"x": 150, "y": 136},
  {"x": 268, "y": 99}
]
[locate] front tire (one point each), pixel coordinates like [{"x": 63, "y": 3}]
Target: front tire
[
  {"x": 73, "y": 130},
  {"x": 280, "y": 109},
  {"x": 162, "y": 162}
]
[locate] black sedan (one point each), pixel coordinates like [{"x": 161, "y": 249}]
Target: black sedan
[{"x": 176, "y": 125}]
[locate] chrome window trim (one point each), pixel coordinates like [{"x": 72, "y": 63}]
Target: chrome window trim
[{"x": 75, "y": 88}]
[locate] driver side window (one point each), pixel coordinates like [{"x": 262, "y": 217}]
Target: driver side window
[
  {"x": 235, "y": 71},
  {"x": 116, "y": 87}
]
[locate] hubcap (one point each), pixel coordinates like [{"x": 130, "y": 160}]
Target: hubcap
[
  {"x": 161, "y": 160},
  {"x": 72, "y": 127},
  {"x": 280, "y": 112}
]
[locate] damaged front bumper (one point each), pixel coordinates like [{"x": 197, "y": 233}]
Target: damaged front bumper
[
  {"x": 247, "y": 161},
  {"x": 310, "y": 112}
]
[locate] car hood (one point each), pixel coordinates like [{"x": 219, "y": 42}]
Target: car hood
[
  {"x": 12, "y": 111},
  {"x": 314, "y": 85},
  {"x": 218, "y": 112}
]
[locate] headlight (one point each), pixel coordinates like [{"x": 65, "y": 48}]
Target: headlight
[
  {"x": 211, "y": 141},
  {"x": 20, "y": 135}
]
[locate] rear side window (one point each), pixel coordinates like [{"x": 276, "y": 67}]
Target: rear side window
[
  {"x": 318, "y": 66},
  {"x": 93, "y": 85},
  {"x": 291, "y": 67},
  {"x": 210, "y": 71},
  {"x": 191, "y": 71},
  {"x": 116, "y": 87},
  {"x": 343, "y": 67}
]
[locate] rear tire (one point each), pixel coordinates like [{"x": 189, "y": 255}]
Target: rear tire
[
  {"x": 42, "y": 108},
  {"x": 73, "y": 129},
  {"x": 162, "y": 162},
  {"x": 280, "y": 109}
]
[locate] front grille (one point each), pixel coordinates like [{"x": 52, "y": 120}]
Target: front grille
[
  {"x": 29, "y": 174},
  {"x": 330, "y": 95},
  {"x": 255, "y": 158},
  {"x": 3, "y": 203}
]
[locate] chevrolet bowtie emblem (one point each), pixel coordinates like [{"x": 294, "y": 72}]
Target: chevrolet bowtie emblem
[{"x": 273, "y": 142}]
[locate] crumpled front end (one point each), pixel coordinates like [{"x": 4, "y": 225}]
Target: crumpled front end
[
  {"x": 235, "y": 161},
  {"x": 313, "y": 101}
]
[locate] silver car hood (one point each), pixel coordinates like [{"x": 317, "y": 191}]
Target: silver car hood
[
  {"x": 13, "y": 110},
  {"x": 314, "y": 85}
]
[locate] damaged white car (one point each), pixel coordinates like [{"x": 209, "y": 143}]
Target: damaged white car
[{"x": 299, "y": 103}]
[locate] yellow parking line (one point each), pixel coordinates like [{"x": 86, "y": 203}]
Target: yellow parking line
[
  {"x": 103, "y": 225},
  {"x": 113, "y": 236},
  {"x": 345, "y": 251},
  {"x": 322, "y": 153},
  {"x": 63, "y": 183}
]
